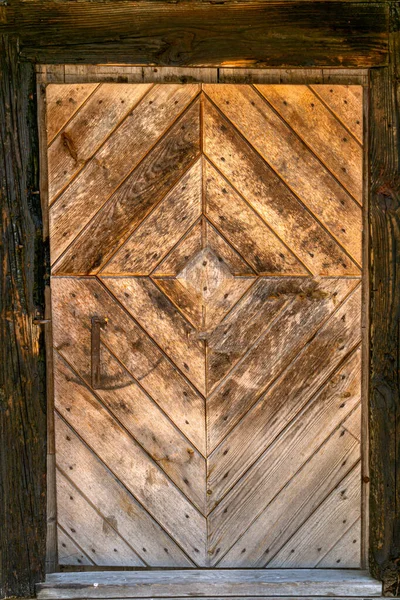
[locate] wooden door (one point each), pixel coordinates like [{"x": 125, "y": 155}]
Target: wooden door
[{"x": 213, "y": 418}]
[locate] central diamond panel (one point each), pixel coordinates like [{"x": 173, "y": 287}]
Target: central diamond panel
[{"x": 205, "y": 274}]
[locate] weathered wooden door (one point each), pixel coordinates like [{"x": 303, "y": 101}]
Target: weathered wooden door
[{"x": 206, "y": 289}]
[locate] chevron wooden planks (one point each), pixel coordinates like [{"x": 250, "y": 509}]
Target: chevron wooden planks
[{"x": 216, "y": 230}]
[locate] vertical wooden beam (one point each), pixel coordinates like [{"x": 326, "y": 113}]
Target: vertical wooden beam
[
  {"x": 385, "y": 316},
  {"x": 22, "y": 362}
]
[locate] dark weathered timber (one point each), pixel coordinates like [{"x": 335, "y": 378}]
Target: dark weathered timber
[
  {"x": 22, "y": 370},
  {"x": 384, "y": 417},
  {"x": 245, "y": 33}
]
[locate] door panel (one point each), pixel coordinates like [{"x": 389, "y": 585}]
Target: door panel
[{"x": 217, "y": 230}]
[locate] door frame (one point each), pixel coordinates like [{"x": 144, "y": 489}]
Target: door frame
[{"x": 297, "y": 41}]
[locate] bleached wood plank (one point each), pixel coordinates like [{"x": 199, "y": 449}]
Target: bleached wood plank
[
  {"x": 112, "y": 499},
  {"x": 180, "y": 74},
  {"x": 115, "y": 160},
  {"x": 62, "y": 102},
  {"x": 311, "y": 302},
  {"x": 92, "y": 532},
  {"x": 300, "y": 497},
  {"x": 75, "y": 301},
  {"x": 162, "y": 229},
  {"x": 321, "y": 131},
  {"x": 273, "y": 201},
  {"x": 137, "y": 412},
  {"x": 163, "y": 323},
  {"x": 285, "y": 400},
  {"x": 319, "y": 534},
  {"x": 218, "y": 583},
  {"x": 135, "y": 198},
  {"x": 245, "y": 230},
  {"x": 353, "y": 425},
  {"x": 90, "y": 126},
  {"x": 346, "y": 102},
  {"x": 346, "y": 554},
  {"x": 68, "y": 552},
  {"x": 116, "y": 448},
  {"x": 284, "y": 458},
  {"x": 293, "y": 162},
  {"x": 106, "y": 73}
]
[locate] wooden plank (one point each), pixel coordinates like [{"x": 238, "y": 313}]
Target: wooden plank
[
  {"x": 346, "y": 553},
  {"x": 163, "y": 323},
  {"x": 348, "y": 34},
  {"x": 231, "y": 339},
  {"x": 135, "y": 198},
  {"x": 49, "y": 73},
  {"x": 137, "y": 412},
  {"x": 311, "y": 303},
  {"x": 280, "y": 463},
  {"x": 293, "y": 76},
  {"x": 321, "y": 131},
  {"x": 94, "y": 534},
  {"x": 112, "y": 499},
  {"x": 288, "y": 431},
  {"x": 353, "y": 426},
  {"x": 106, "y": 73},
  {"x": 180, "y": 75},
  {"x": 189, "y": 245},
  {"x": 88, "y": 129},
  {"x": 301, "y": 496},
  {"x": 22, "y": 356},
  {"x": 280, "y": 404},
  {"x": 293, "y": 162},
  {"x": 325, "y": 527},
  {"x": 261, "y": 187},
  {"x": 116, "y": 448},
  {"x": 69, "y": 553},
  {"x": 220, "y": 583},
  {"x": 242, "y": 227},
  {"x": 346, "y": 103},
  {"x": 384, "y": 392},
  {"x": 212, "y": 282},
  {"x": 115, "y": 160},
  {"x": 75, "y": 301},
  {"x": 235, "y": 262},
  {"x": 62, "y": 102},
  {"x": 162, "y": 229}
]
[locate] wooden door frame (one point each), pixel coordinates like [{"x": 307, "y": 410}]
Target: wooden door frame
[{"x": 285, "y": 34}]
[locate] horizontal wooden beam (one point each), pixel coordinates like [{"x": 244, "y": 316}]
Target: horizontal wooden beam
[
  {"x": 214, "y": 583},
  {"x": 247, "y": 33}
]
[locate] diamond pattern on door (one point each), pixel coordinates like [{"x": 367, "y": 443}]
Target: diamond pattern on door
[{"x": 218, "y": 230}]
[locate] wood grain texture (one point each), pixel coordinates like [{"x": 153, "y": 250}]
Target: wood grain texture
[
  {"x": 135, "y": 198},
  {"x": 22, "y": 357},
  {"x": 115, "y": 160},
  {"x": 292, "y": 161},
  {"x": 61, "y": 104},
  {"x": 82, "y": 136},
  {"x": 269, "y": 196},
  {"x": 315, "y": 125},
  {"x": 229, "y": 357},
  {"x": 385, "y": 264},
  {"x": 346, "y": 103},
  {"x": 114, "y": 501},
  {"x": 219, "y": 583},
  {"x": 237, "y": 33}
]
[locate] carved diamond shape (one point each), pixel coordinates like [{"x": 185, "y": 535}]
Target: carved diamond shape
[{"x": 205, "y": 273}]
